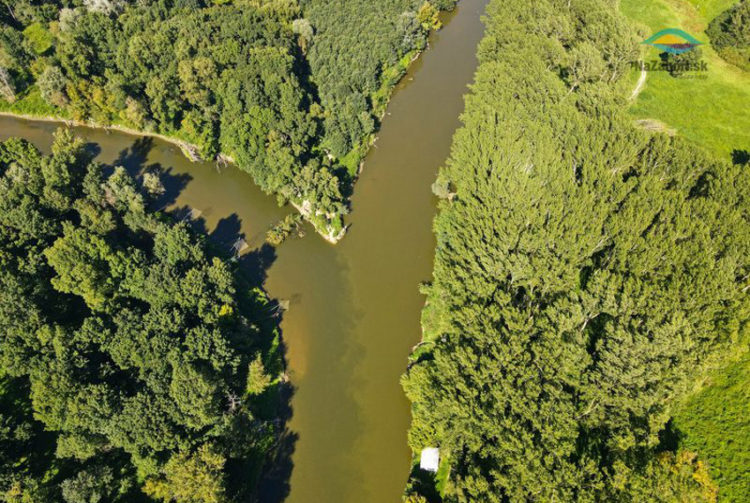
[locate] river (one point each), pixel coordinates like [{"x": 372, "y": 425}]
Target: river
[{"x": 354, "y": 308}]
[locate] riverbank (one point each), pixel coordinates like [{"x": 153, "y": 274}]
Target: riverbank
[
  {"x": 276, "y": 155},
  {"x": 190, "y": 150},
  {"x": 353, "y": 308}
]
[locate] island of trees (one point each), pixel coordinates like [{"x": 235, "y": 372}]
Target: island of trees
[
  {"x": 588, "y": 274},
  {"x": 292, "y": 91}
]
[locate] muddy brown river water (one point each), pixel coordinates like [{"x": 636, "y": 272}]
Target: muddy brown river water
[{"x": 354, "y": 308}]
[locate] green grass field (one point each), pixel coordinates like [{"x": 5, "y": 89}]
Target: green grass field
[
  {"x": 710, "y": 111},
  {"x": 709, "y": 9},
  {"x": 715, "y": 423}
]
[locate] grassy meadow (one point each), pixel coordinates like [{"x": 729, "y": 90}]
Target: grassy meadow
[
  {"x": 711, "y": 109},
  {"x": 715, "y": 423}
]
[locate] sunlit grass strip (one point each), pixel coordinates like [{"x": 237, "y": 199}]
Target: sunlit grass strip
[{"x": 709, "y": 111}]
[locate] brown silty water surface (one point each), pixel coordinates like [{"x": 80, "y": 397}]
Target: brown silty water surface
[{"x": 354, "y": 308}]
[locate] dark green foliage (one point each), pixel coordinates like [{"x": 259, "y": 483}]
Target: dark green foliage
[
  {"x": 357, "y": 50},
  {"x": 26, "y": 451},
  {"x": 679, "y": 64},
  {"x": 222, "y": 78},
  {"x": 584, "y": 273},
  {"x": 730, "y": 34},
  {"x": 274, "y": 85},
  {"x": 134, "y": 339},
  {"x": 90, "y": 486}
]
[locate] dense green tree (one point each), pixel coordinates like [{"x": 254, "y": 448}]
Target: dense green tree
[
  {"x": 730, "y": 34},
  {"x": 191, "y": 478},
  {"x": 90, "y": 486},
  {"x": 257, "y": 379},
  {"x": 52, "y": 84},
  {"x": 26, "y": 455},
  {"x": 356, "y": 53},
  {"x": 7, "y": 87},
  {"x": 130, "y": 335},
  {"x": 585, "y": 273},
  {"x": 282, "y": 87}
]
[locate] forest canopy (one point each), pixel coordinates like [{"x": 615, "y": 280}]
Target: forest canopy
[
  {"x": 586, "y": 273},
  {"x": 291, "y": 91},
  {"x": 730, "y": 34},
  {"x": 137, "y": 365}
]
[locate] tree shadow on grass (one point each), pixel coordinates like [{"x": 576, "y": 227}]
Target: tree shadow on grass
[
  {"x": 741, "y": 157},
  {"x": 670, "y": 437}
]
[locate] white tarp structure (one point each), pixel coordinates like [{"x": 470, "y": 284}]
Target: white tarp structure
[{"x": 430, "y": 460}]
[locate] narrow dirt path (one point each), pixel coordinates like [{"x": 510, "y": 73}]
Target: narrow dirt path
[{"x": 641, "y": 83}]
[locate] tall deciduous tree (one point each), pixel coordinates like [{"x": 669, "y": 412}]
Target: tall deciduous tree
[
  {"x": 130, "y": 334},
  {"x": 586, "y": 272}
]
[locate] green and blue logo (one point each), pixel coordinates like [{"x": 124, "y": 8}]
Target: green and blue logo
[{"x": 673, "y": 40}]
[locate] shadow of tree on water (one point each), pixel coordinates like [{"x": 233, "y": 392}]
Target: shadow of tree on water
[
  {"x": 92, "y": 150},
  {"x": 256, "y": 263},
  {"x": 134, "y": 158},
  {"x": 274, "y": 485},
  {"x": 174, "y": 184},
  {"x": 229, "y": 242}
]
